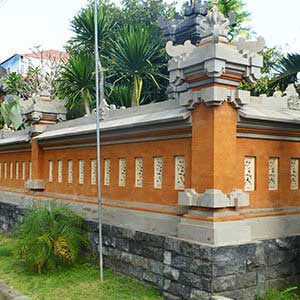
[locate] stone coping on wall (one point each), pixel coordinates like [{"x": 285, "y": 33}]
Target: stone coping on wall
[{"x": 7, "y": 293}]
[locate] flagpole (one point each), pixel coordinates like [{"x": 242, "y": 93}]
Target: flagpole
[{"x": 98, "y": 107}]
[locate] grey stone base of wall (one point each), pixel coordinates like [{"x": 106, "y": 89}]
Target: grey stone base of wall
[{"x": 184, "y": 270}]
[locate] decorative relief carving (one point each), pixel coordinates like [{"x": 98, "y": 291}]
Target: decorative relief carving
[
  {"x": 23, "y": 170},
  {"x": 81, "y": 171},
  {"x": 273, "y": 173},
  {"x": 30, "y": 170},
  {"x": 249, "y": 173},
  {"x": 70, "y": 171},
  {"x": 11, "y": 170},
  {"x": 215, "y": 24},
  {"x": 122, "y": 172},
  {"x": 17, "y": 170},
  {"x": 294, "y": 173},
  {"x": 107, "y": 169},
  {"x": 139, "y": 172},
  {"x": 93, "y": 171},
  {"x": 60, "y": 171},
  {"x": 158, "y": 172},
  {"x": 180, "y": 50},
  {"x": 5, "y": 170},
  {"x": 293, "y": 99},
  {"x": 179, "y": 172},
  {"x": 50, "y": 171}
]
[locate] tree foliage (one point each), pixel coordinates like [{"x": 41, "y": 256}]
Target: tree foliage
[{"x": 50, "y": 236}]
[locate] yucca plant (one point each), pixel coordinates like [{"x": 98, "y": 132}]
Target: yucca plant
[
  {"x": 136, "y": 56},
  {"x": 51, "y": 235},
  {"x": 76, "y": 82}
]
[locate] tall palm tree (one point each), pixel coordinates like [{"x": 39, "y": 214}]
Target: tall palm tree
[
  {"x": 287, "y": 70},
  {"x": 136, "y": 56},
  {"x": 77, "y": 81}
]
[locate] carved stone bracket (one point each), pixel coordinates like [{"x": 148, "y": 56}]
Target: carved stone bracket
[{"x": 213, "y": 198}]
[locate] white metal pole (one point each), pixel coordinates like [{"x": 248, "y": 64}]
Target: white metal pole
[{"x": 97, "y": 60}]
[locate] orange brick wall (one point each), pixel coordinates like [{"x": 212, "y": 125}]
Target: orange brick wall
[
  {"x": 263, "y": 150},
  {"x": 9, "y": 158},
  {"x": 167, "y": 149}
]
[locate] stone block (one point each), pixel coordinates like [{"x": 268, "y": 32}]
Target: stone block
[
  {"x": 225, "y": 283},
  {"x": 192, "y": 280},
  {"x": 167, "y": 257},
  {"x": 179, "y": 290},
  {"x": 201, "y": 267},
  {"x": 198, "y": 294},
  {"x": 182, "y": 262},
  {"x": 171, "y": 273},
  {"x": 153, "y": 278},
  {"x": 169, "y": 296},
  {"x": 150, "y": 239},
  {"x": 156, "y": 267}
]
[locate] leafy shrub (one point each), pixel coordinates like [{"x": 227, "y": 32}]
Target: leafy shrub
[{"x": 50, "y": 235}]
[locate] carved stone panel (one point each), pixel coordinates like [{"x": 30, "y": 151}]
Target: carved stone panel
[
  {"x": 93, "y": 171},
  {"x": 158, "y": 172},
  {"x": 50, "y": 170},
  {"x": 295, "y": 174},
  {"x": 81, "y": 171},
  {"x": 30, "y": 170},
  {"x": 249, "y": 173},
  {"x": 70, "y": 171},
  {"x": 107, "y": 170},
  {"x": 11, "y": 170},
  {"x": 179, "y": 172},
  {"x": 23, "y": 170},
  {"x": 60, "y": 171},
  {"x": 273, "y": 173},
  {"x": 122, "y": 172},
  {"x": 139, "y": 172},
  {"x": 5, "y": 170},
  {"x": 17, "y": 170}
]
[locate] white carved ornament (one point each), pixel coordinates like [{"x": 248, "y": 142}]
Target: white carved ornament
[
  {"x": 273, "y": 173},
  {"x": 252, "y": 47},
  {"x": 60, "y": 171},
  {"x": 249, "y": 174},
  {"x": 50, "y": 171},
  {"x": 81, "y": 171},
  {"x": 295, "y": 173},
  {"x": 23, "y": 170},
  {"x": 158, "y": 172},
  {"x": 215, "y": 24},
  {"x": 5, "y": 170},
  {"x": 70, "y": 171},
  {"x": 11, "y": 170},
  {"x": 93, "y": 171},
  {"x": 139, "y": 172},
  {"x": 180, "y": 50},
  {"x": 122, "y": 172},
  {"x": 179, "y": 172},
  {"x": 30, "y": 170},
  {"x": 17, "y": 170},
  {"x": 107, "y": 168}
]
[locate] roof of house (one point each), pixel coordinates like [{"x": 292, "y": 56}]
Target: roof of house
[{"x": 48, "y": 54}]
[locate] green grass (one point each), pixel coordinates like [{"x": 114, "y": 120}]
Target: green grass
[
  {"x": 287, "y": 294},
  {"x": 79, "y": 282}
]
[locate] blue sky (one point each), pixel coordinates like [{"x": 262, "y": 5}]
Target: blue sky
[{"x": 28, "y": 23}]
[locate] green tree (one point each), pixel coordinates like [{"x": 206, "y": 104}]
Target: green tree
[
  {"x": 137, "y": 56},
  {"x": 14, "y": 84},
  {"x": 76, "y": 82}
]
